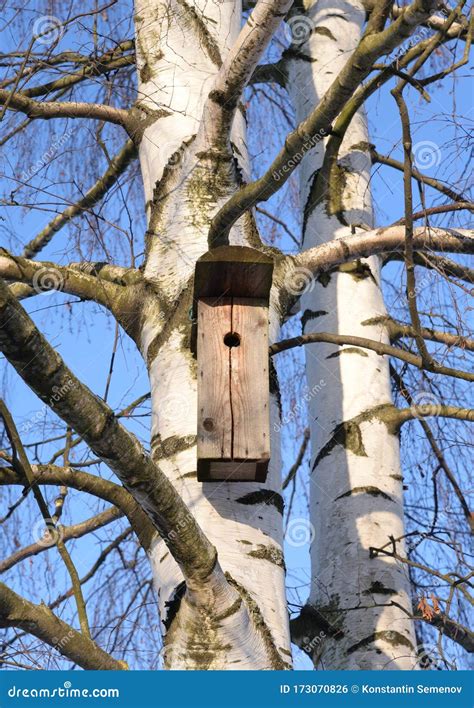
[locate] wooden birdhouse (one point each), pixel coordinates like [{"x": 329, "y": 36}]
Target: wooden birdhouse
[{"x": 231, "y": 297}]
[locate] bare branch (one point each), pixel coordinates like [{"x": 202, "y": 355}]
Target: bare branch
[
  {"x": 16, "y": 611},
  {"x": 91, "y": 484},
  {"x": 42, "y": 369},
  {"x": 117, "y": 166},
  {"x": 441, "y": 264},
  {"x": 20, "y": 460},
  {"x": 379, "y": 348},
  {"x": 57, "y": 109},
  {"x": 318, "y": 123},
  {"x": 111, "y": 60},
  {"x": 67, "y": 533},
  {"x": 424, "y": 179},
  {"x": 369, "y": 243},
  {"x": 238, "y": 67},
  {"x": 41, "y": 276},
  {"x": 429, "y": 410},
  {"x": 294, "y": 468},
  {"x": 397, "y": 330}
]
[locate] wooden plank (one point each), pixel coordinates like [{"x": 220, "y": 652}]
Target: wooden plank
[
  {"x": 213, "y": 361},
  {"x": 233, "y": 271},
  {"x": 233, "y": 389},
  {"x": 250, "y": 380},
  {"x": 230, "y": 271}
]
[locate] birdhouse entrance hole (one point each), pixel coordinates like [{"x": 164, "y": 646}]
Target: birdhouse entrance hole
[
  {"x": 232, "y": 339},
  {"x": 231, "y": 294}
]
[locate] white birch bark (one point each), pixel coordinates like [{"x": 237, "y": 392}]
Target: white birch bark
[
  {"x": 356, "y": 483},
  {"x": 243, "y": 623}
]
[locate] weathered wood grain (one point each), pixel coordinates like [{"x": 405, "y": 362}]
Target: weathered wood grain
[{"x": 233, "y": 389}]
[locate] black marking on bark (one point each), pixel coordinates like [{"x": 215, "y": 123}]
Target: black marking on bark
[
  {"x": 309, "y": 315},
  {"x": 357, "y": 270},
  {"x": 312, "y": 621},
  {"x": 171, "y": 446},
  {"x": 362, "y": 146},
  {"x": 390, "y": 636},
  {"x": 164, "y": 189},
  {"x": 222, "y": 99},
  {"x": 146, "y": 74},
  {"x": 398, "y": 477},
  {"x": 263, "y": 496},
  {"x": 337, "y": 16},
  {"x": 255, "y": 614},
  {"x": 198, "y": 25},
  {"x": 274, "y": 384},
  {"x": 324, "y": 279},
  {"x": 347, "y": 350},
  {"x": 172, "y": 605},
  {"x": 217, "y": 156},
  {"x": 177, "y": 316},
  {"x": 235, "y": 607},
  {"x": 311, "y": 201},
  {"x": 378, "y": 588},
  {"x": 373, "y": 491},
  {"x": 272, "y": 554},
  {"x": 188, "y": 475},
  {"x": 324, "y": 31},
  {"x": 293, "y": 53},
  {"x": 346, "y": 434}
]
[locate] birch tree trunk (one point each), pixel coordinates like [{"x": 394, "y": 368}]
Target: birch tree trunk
[
  {"x": 356, "y": 482},
  {"x": 215, "y": 549},
  {"x": 181, "y": 46}
]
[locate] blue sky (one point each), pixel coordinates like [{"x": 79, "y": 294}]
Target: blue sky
[{"x": 84, "y": 334}]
